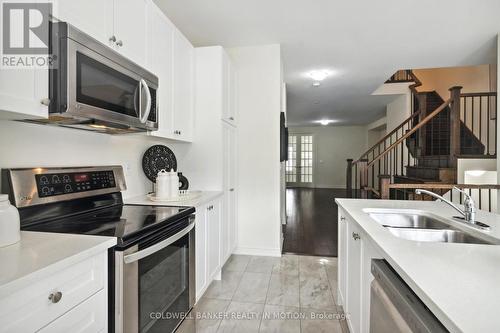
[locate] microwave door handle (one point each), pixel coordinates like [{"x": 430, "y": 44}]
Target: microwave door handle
[
  {"x": 145, "y": 116},
  {"x": 128, "y": 259}
]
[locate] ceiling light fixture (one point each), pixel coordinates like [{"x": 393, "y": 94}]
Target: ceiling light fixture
[
  {"x": 316, "y": 84},
  {"x": 319, "y": 75},
  {"x": 325, "y": 122}
]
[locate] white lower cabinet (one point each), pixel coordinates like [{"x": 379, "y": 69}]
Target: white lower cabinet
[
  {"x": 354, "y": 274},
  {"x": 87, "y": 317},
  {"x": 75, "y": 297},
  {"x": 208, "y": 244}
]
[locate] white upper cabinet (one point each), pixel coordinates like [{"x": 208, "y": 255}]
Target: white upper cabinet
[
  {"x": 161, "y": 62},
  {"x": 229, "y": 91},
  {"x": 130, "y": 28},
  {"x": 22, "y": 92},
  {"x": 183, "y": 93},
  {"x": 94, "y": 17}
]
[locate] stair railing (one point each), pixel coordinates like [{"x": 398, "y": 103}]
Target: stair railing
[
  {"x": 478, "y": 113},
  {"x": 399, "y": 149},
  {"x": 484, "y": 195}
]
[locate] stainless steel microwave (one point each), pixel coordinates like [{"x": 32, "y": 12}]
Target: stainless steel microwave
[{"x": 92, "y": 87}]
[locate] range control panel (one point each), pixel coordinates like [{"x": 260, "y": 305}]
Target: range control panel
[{"x": 53, "y": 184}]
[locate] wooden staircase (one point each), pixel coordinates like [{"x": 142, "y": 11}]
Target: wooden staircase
[{"x": 425, "y": 147}]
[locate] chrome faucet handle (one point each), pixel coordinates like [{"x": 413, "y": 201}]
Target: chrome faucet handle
[{"x": 468, "y": 197}]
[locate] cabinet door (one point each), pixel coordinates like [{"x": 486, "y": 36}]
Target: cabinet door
[
  {"x": 201, "y": 251},
  {"x": 183, "y": 87},
  {"x": 229, "y": 227},
  {"x": 160, "y": 61},
  {"x": 354, "y": 271},
  {"x": 229, "y": 91},
  {"x": 342, "y": 258},
  {"x": 94, "y": 17},
  {"x": 213, "y": 230},
  {"x": 130, "y": 28},
  {"x": 22, "y": 92}
]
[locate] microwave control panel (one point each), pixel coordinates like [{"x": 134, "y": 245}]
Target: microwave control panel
[{"x": 53, "y": 184}]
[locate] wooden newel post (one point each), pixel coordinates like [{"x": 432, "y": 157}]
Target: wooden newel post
[
  {"x": 422, "y": 107},
  {"x": 454, "y": 125},
  {"x": 363, "y": 177},
  {"x": 384, "y": 182},
  {"x": 348, "y": 178}
]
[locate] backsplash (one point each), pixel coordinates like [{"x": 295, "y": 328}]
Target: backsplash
[{"x": 31, "y": 145}]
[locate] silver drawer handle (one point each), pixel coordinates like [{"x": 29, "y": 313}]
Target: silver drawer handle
[
  {"x": 112, "y": 39},
  {"x": 355, "y": 236},
  {"x": 55, "y": 297},
  {"x": 119, "y": 43}
]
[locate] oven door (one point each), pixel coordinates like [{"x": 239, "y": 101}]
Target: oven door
[
  {"x": 154, "y": 283},
  {"x": 100, "y": 88}
]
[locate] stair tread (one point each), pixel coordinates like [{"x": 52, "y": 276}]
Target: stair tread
[
  {"x": 428, "y": 167},
  {"x": 422, "y": 180}
]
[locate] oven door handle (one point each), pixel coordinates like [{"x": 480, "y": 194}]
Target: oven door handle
[{"x": 128, "y": 259}]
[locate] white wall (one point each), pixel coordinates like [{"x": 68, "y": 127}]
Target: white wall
[
  {"x": 398, "y": 111},
  {"x": 259, "y": 91},
  {"x": 333, "y": 146},
  {"x": 32, "y": 145},
  {"x": 471, "y": 78}
]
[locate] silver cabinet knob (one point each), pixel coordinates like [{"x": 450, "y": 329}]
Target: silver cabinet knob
[
  {"x": 55, "y": 297},
  {"x": 112, "y": 39},
  {"x": 45, "y": 101},
  {"x": 231, "y": 118},
  {"x": 119, "y": 43},
  {"x": 355, "y": 236},
  {"x": 231, "y": 190},
  {"x": 342, "y": 218}
]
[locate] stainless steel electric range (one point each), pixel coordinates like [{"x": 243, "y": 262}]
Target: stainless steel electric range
[{"x": 152, "y": 267}]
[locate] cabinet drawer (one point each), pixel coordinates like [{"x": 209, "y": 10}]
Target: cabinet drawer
[
  {"x": 89, "y": 316},
  {"x": 30, "y": 308}
]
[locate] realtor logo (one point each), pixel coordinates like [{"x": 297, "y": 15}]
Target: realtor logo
[{"x": 25, "y": 34}]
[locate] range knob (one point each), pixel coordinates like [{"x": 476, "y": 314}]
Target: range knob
[
  {"x": 45, "y": 190},
  {"x": 56, "y": 179},
  {"x": 66, "y": 179},
  {"x": 44, "y": 180},
  {"x": 68, "y": 188}
]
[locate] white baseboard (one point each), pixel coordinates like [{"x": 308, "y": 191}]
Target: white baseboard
[{"x": 257, "y": 252}]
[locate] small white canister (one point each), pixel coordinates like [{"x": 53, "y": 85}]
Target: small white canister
[
  {"x": 163, "y": 185},
  {"x": 10, "y": 231}
]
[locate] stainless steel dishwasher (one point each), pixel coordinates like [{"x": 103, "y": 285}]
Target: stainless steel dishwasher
[{"x": 394, "y": 307}]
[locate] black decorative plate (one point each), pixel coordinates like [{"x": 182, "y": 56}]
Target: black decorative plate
[{"x": 155, "y": 159}]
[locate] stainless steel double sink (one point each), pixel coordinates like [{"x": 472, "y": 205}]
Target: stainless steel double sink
[{"x": 422, "y": 228}]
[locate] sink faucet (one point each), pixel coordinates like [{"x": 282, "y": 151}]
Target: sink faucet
[{"x": 469, "y": 213}]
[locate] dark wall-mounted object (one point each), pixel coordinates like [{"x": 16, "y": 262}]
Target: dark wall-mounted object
[
  {"x": 283, "y": 138},
  {"x": 156, "y": 158}
]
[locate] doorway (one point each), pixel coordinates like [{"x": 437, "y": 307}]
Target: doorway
[{"x": 299, "y": 170}]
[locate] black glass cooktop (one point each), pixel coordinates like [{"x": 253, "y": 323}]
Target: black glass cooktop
[{"x": 126, "y": 222}]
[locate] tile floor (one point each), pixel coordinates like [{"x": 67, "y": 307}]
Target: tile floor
[{"x": 266, "y": 294}]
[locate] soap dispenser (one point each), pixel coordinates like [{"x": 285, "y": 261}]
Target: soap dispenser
[{"x": 10, "y": 231}]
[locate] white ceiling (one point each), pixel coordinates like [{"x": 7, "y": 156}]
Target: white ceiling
[{"x": 363, "y": 41}]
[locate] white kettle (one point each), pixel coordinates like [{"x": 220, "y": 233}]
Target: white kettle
[{"x": 10, "y": 231}]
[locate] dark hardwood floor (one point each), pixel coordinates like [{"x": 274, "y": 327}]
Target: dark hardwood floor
[{"x": 311, "y": 221}]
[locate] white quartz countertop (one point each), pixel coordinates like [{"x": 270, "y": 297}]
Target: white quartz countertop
[
  {"x": 206, "y": 196},
  {"x": 40, "y": 254},
  {"x": 459, "y": 283}
]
